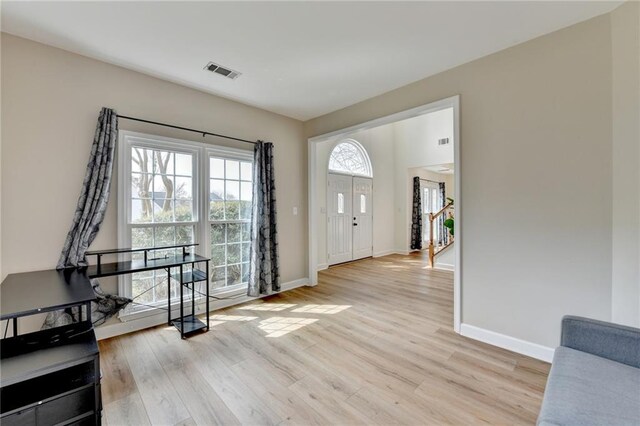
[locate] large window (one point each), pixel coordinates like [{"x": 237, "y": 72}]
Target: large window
[{"x": 163, "y": 185}]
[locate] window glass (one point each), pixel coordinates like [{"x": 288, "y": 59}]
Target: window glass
[
  {"x": 350, "y": 157},
  {"x": 231, "y": 192},
  {"x": 161, "y": 213}
]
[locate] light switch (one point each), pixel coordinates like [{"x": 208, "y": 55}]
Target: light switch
[{"x": 295, "y": 211}]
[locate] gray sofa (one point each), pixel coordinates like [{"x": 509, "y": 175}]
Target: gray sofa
[{"x": 594, "y": 377}]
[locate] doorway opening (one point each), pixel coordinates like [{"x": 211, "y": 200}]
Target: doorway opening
[{"x": 422, "y": 142}]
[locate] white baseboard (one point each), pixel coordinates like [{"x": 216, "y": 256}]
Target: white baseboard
[
  {"x": 323, "y": 266},
  {"x": 294, "y": 284},
  {"x": 444, "y": 266},
  {"x": 513, "y": 344},
  {"x": 402, "y": 251},
  {"x": 124, "y": 327},
  {"x": 384, "y": 253}
]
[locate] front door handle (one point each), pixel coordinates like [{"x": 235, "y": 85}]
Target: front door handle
[{"x": 355, "y": 224}]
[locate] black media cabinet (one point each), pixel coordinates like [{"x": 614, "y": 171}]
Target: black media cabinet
[
  {"x": 49, "y": 377},
  {"x": 52, "y": 377}
]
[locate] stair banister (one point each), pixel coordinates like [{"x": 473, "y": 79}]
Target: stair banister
[{"x": 432, "y": 249}]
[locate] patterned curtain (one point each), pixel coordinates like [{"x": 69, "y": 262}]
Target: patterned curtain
[
  {"x": 416, "y": 216},
  {"x": 90, "y": 211},
  {"x": 264, "y": 271},
  {"x": 444, "y": 233}
]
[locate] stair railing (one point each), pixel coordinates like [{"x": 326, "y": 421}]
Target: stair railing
[{"x": 433, "y": 217}]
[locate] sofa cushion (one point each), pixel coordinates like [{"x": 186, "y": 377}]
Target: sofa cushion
[{"x": 585, "y": 389}]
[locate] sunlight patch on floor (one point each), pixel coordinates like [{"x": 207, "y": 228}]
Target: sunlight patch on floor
[
  {"x": 396, "y": 267},
  {"x": 321, "y": 309},
  {"x": 279, "y": 326},
  {"x": 215, "y": 320},
  {"x": 232, "y": 317},
  {"x": 274, "y": 307}
]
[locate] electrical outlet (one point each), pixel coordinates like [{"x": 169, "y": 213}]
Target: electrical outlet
[{"x": 295, "y": 211}]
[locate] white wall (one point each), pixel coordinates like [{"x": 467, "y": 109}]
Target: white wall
[
  {"x": 419, "y": 135},
  {"x": 447, "y": 259},
  {"x": 379, "y": 145},
  {"x": 536, "y": 176},
  {"x": 625, "y": 294}
]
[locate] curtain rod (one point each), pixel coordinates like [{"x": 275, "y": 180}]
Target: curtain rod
[{"x": 203, "y": 133}]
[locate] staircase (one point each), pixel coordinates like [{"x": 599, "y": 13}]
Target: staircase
[{"x": 435, "y": 219}]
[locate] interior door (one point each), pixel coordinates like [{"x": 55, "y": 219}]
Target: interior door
[
  {"x": 339, "y": 218},
  {"x": 362, "y": 218}
]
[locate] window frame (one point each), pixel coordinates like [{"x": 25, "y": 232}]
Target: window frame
[{"x": 200, "y": 191}]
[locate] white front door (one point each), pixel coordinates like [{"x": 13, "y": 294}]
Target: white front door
[
  {"x": 349, "y": 218},
  {"x": 339, "y": 218},
  {"x": 362, "y": 218}
]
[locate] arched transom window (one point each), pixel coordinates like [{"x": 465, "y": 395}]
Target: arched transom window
[{"x": 350, "y": 157}]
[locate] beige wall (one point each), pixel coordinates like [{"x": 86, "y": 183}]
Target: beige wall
[
  {"x": 625, "y": 23},
  {"x": 50, "y": 103},
  {"x": 536, "y": 177}
]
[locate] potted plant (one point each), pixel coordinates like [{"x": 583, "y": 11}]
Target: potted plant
[{"x": 449, "y": 222}]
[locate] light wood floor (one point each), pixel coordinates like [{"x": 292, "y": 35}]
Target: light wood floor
[{"x": 371, "y": 344}]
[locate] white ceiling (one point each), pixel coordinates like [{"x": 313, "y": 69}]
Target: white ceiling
[
  {"x": 299, "y": 59},
  {"x": 445, "y": 169}
]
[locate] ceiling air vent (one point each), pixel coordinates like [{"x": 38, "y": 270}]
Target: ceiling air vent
[
  {"x": 223, "y": 71},
  {"x": 443, "y": 141}
]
